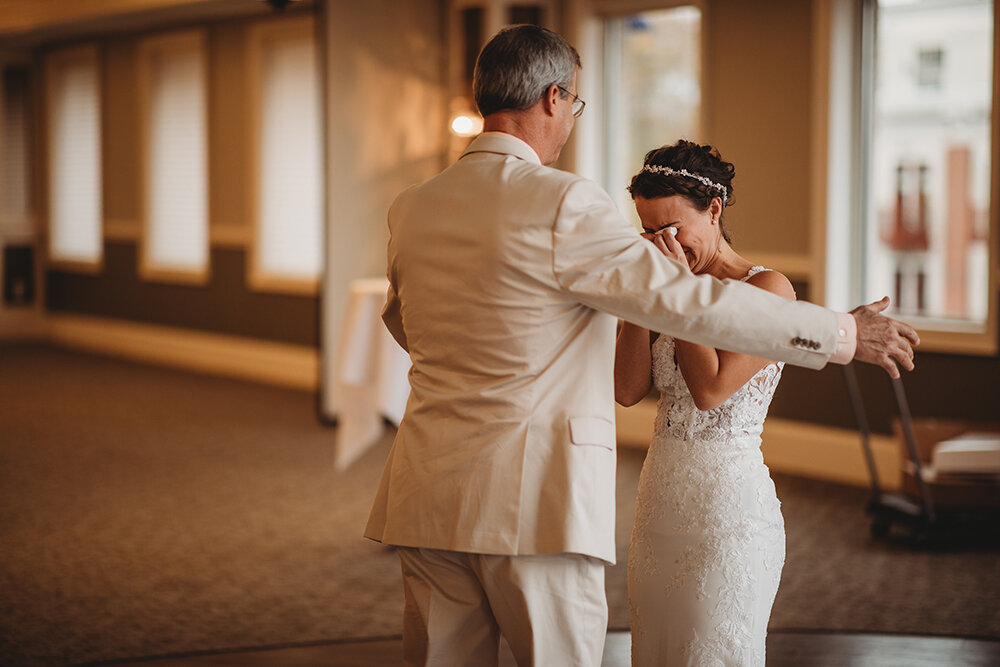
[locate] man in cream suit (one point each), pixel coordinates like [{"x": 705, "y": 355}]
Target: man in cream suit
[{"x": 507, "y": 279}]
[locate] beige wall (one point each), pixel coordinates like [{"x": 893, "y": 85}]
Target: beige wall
[
  {"x": 387, "y": 117},
  {"x": 120, "y": 132},
  {"x": 227, "y": 126},
  {"x": 758, "y": 59}
]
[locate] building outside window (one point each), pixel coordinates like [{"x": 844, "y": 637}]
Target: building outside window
[{"x": 927, "y": 191}]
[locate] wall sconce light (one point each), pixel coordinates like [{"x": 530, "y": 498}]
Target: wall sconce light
[{"x": 466, "y": 124}]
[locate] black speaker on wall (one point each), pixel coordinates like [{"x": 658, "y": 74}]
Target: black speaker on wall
[{"x": 18, "y": 275}]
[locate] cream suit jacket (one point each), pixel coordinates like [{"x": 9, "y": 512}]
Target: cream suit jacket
[{"x": 506, "y": 281}]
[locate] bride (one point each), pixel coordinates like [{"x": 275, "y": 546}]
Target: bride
[{"x": 708, "y": 542}]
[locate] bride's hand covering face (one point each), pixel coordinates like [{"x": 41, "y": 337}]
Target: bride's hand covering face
[
  {"x": 665, "y": 240},
  {"x": 698, "y": 238}
]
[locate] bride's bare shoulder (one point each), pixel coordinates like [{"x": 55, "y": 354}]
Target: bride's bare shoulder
[{"x": 774, "y": 282}]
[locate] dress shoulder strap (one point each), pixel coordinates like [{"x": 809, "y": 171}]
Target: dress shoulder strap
[{"x": 754, "y": 270}]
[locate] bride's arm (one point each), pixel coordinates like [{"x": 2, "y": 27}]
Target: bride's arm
[
  {"x": 633, "y": 364},
  {"x": 712, "y": 376}
]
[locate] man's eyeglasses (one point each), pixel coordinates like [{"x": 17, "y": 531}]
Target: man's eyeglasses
[{"x": 578, "y": 104}]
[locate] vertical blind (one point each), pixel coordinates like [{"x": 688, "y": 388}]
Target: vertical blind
[
  {"x": 177, "y": 169},
  {"x": 290, "y": 165},
  {"x": 74, "y": 195}
]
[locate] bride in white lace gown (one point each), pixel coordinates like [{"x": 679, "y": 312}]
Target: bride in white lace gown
[{"x": 708, "y": 542}]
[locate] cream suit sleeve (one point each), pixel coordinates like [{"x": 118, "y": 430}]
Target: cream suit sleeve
[
  {"x": 393, "y": 318},
  {"x": 601, "y": 259}
]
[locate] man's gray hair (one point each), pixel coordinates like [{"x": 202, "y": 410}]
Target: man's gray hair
[{"x": 518, "y": 65}]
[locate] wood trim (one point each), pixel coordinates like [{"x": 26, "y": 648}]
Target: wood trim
[
  {"x": 122, "y": 230},
  {"x": 830, "y": 453},
  {"x": 818, "y": 145},
  {"x": 229, "y": 235},
  {"x": 219, "y": 234},
  {"x": 302, "y": 287},
  {"x": 43, "y": 14},
  {"x": 21, "y": 324},
  {"x": 281, "y": 364},
  {"x": 70, "y": 266},
  {"x": 790, "y": 446},
  {"x": 978, "y": 343}
]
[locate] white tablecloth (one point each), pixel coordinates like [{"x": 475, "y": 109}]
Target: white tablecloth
[{"x": 372, "y": 379}]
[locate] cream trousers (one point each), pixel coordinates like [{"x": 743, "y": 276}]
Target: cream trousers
[{"x": 551, "y": 609}]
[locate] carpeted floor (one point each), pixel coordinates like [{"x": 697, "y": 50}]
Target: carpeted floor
[{"x": 146, "y": 511}]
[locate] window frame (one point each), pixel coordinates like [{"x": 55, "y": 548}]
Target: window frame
[
  {"x": 610, "y": 89},
  {"x": 91, "y": 53},
  {"x": 146, "y": 49},
  {"x": 842, "y": 114}
]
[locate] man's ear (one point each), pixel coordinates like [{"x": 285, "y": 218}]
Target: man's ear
[{"x": 549, "y": 100}]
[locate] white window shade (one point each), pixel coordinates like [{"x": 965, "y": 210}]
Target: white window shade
[
  {"x": 290, "y": 192},
  {"x": 74, "y": 141},
  {"x": 177, "y": 160}
]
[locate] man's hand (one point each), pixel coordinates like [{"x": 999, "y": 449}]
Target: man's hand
[{"x": 882, "y": 340}]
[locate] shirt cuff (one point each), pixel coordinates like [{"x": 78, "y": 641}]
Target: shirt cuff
[{"x": 847, "y": 339}]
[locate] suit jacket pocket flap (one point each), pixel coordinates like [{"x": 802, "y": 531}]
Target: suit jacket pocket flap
[{"x": 592, "y": 431}]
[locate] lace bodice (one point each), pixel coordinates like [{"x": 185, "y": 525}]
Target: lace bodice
[{"x": 741, "y": 416}]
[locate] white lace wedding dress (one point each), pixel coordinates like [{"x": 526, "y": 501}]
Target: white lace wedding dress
[{"x": 708, "y": 542}]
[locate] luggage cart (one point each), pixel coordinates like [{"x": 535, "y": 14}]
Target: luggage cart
[{"x": 917, "y": 512}]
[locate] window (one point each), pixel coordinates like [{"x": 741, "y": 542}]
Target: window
[
  {"x": 173, "y": 94},
  {"x": 288, "y": 167},
  {"x": 927, "y": 194},
  {"x": 652, "y": 63},
  {"x": 929, "y": 66},
  {"x": 74, "y": 156}
]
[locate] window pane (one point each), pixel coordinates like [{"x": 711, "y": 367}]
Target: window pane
[
  {"x": 291, "y": 201},
  {"x": 74, "y": 156},
  {"x": 178, "y": 205},
  {"x": 929, "y": 197},
  {"x": 653, "y": 79}
]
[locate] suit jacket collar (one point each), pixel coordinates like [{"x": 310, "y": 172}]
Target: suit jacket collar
[{"x": 504, "y": 144}]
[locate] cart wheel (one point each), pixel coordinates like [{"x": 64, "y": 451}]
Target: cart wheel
[
  {"x": 880, "y": 529},
  {"x": 920, "y": 536}
]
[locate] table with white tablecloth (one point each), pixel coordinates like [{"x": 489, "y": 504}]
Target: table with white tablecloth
[{"x": 371, "y": 382}]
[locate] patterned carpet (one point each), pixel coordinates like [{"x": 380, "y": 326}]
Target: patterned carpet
[{"x": 146, "y": 511}]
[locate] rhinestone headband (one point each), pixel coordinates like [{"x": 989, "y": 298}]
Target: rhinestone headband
[{"x": 658, "y": 169}]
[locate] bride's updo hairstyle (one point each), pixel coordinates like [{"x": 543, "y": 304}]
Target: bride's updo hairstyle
[{"x": 696, "y": 172}]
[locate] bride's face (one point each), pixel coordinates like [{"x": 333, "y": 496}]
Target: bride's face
[{"x": 699, "y": 238}]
